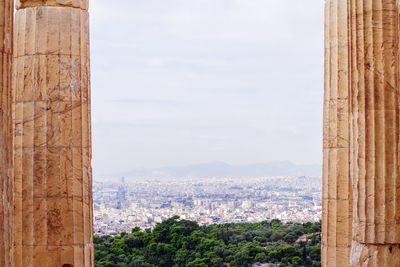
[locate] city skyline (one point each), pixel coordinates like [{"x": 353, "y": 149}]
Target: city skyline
[
  {"x": 221, "y": 91},
  {"x": 122, "y": 205}
]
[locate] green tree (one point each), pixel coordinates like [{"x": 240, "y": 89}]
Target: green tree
[
  {"x": 179, "y": 243},
  {"x": 296, "y": 261},
  {"x": 197, "y": 263},
  {"x": 260, "y": 257}
]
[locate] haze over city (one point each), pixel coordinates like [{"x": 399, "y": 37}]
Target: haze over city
[{"x": 187, "y": 82}]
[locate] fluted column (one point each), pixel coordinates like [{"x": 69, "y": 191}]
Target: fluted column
[
  {"x": 52, "y": 151},
  {"x": 375, "y": 133},
  {"x": 337, "y": 196},
  {"x": 6, "y": 21}
]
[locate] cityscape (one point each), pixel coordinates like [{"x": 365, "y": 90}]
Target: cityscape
[{"x": 126, "y": 204}]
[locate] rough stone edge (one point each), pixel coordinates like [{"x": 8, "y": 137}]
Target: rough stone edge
[
  {"x": 81, "y": 4},
  {"x": 374, "y": 255}
]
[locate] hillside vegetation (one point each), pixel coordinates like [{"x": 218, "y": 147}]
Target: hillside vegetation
[{"x": 183, "y": 243}]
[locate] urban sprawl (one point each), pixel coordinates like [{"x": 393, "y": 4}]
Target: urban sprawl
[{"x": 123, "y": 205}]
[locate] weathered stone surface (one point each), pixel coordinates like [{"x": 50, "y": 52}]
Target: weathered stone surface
[
  {"x": 6, "y": 14},
  {"x": 362, "y": 127},
  {"x": 82, "y": 4},
  {"x": 52, "y": 140},
  {"x": 375, "y": 130},
  {"x": 375, "y": 255},
  {"x": 337, "y": 195}
]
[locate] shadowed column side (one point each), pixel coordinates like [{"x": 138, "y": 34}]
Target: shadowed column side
[{"x": 6, "y": 23}]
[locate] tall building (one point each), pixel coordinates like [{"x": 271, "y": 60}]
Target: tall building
[{"x": 121, "y": 194}]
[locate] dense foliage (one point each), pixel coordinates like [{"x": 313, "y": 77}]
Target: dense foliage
[{"x": 176, "y": 242}]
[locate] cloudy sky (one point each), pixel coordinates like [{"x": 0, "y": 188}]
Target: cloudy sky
[{"x": 177, "y": 82}]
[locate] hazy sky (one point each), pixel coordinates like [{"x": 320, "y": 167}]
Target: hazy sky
[{"x": 177, "y": 82}]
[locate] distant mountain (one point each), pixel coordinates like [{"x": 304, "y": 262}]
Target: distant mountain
[{"x": 222, "y": 169}]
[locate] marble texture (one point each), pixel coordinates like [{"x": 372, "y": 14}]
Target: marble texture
[
  {"x": 6, "y": 15},
  {"x": 52, "y": 136},
  {"x": 337, "y": 189},
  {"x": 82, "y": 4},
  {"x": 375, "y": 131},
  {"x": 362, "y": 134}
]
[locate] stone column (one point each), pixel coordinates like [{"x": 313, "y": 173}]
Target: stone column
[
  {"x": 375, "y": 132},
  {"x": 337, "y": 195},
  {"x": 6, "y": 21},
  {"x": 52, "y": 151}
]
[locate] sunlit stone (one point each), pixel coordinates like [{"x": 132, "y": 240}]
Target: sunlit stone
[
  {"x": 52, "y": 141},
  {"x": 362, "y": 67},
  {"x": 337, "y": 196}
]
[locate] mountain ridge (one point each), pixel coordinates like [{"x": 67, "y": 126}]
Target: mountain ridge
[{"x": 220, "y": 169}]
